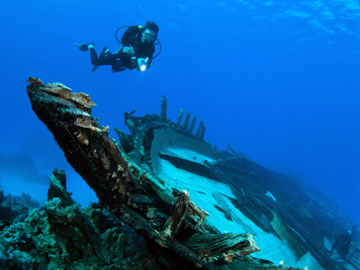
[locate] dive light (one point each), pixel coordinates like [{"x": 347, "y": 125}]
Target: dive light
[{"x": 143, "y": 64}]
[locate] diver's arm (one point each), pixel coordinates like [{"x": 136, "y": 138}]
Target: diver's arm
[{"x": 147, "y": 54}]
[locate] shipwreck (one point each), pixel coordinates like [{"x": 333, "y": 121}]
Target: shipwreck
[{"x": 196, "y": 207}]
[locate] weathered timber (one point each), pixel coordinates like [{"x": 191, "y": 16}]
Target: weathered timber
[
  {"x": 210, "y": 246},
  {"x": 250, "y": 183},
  {"x": 255, "y": 181},
  {"x": 180, "y": 115},
  {"x": 192, "y": 125},
  {"x": 199, "y": 130},
  {"x": 163, "y": 109},
  {"x": 57, "y": 189},
  {"x": 125, "y": 186},
  {"x": 181, "y": 206},
  {"x": 186, "y": 122}
]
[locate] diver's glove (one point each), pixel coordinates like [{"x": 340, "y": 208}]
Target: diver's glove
[
  {"x": 142, "y": 63},
  {"x": 129, "y": 50}
]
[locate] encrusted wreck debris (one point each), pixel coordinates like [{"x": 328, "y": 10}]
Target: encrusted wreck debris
[
  {"x": 180, "y": 193},
  {"x": 60, "y": 236}
]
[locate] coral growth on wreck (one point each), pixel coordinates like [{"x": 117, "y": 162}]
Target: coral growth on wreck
[
  {"x": 57, "y": 237},
  {"x": 176, "y": 230}
]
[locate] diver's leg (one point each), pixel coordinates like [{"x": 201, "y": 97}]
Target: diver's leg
[
  {"x": 105, "y": 53},
  {"x": 94, "y": 57},
  {"x": 103, "y": 59}
]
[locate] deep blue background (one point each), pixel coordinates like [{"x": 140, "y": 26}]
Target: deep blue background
[{"x": 278, "y": 81}]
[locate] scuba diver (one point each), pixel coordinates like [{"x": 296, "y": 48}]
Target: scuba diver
[
  {"x": 342, "y": 244},
  {"x": 136, "y": 52},
  {"x": 356, "y": 239}
]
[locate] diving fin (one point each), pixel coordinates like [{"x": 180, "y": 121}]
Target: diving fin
[
  {"x": 95, "y": 68},
  {"x": 84, "y": 47}
]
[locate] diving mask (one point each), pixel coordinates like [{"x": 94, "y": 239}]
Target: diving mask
[{"x": 148, "y": 35}]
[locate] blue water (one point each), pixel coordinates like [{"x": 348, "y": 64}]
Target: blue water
[{"x": 278, "y": 81}]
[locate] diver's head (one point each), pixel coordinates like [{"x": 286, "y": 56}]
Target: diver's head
[
  {"x": 150, "y": 32},
  {"x": 152, "y": 26}
]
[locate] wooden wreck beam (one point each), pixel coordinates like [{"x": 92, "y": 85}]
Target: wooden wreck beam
[
  {"x": 122, "y": 186},
  {"x": 87, "y": 147},
  {"x": 309, "y": 239}
]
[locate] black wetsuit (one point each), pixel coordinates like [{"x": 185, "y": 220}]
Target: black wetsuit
[
  {"x": 342, "y": 244},
  {"x": 121, "y": 61}
]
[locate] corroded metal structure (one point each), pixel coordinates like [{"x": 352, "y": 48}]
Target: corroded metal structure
[{"x": 130, "y": 180}]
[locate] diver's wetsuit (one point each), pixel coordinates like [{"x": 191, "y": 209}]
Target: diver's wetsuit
[
  {"x": 116, "y": 61},
  {"x": 121, "y": 61},
  {"x": 342, "y": 243}
]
